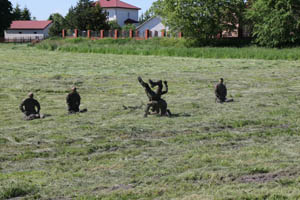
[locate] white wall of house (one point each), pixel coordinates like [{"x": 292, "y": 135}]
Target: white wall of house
[
  {"x": 153, "y": 24},
  {"x": 122, "y": 14},
  {"x": 26, "y": 34},
  {"x": 111, "y": 14}
]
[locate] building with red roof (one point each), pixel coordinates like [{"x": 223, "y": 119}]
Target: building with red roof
[
  {"x": 121, "y": 12},
  {"x": 28, "y": 30}
]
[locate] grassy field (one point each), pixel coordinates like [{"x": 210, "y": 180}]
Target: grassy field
[
  {"x": 167, "y": 47},
  {"x": 248, "y": 149}
]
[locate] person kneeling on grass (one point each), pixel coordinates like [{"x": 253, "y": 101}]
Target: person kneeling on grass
[
  {"x": 29, "y": 106},
  {"x": 221, "y": 92},
  {"x": 73, "y": 101}
]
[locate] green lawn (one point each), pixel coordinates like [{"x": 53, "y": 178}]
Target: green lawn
[{"x": 248, "y": 149}]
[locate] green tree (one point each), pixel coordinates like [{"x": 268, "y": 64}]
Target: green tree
[
  {"x": 86, "y": 15},
  {"x": 17, "y": 12},
  {"x": 70, "y": 19},
  {"x": 97, "y": 18},
  {"x": 6, "y": 15},
  {"x": 201, "y": 19},
  {"x": 58, "y": 24},
  {"x": 146, "y": 16},
  {"x": 128, "y": 27},
  {"x": 234, "y": 13},
  {"x": 26, "y": 14},
  {"x": 20, "y": 14},
  {"x": 275, "y": 22},
  {"x": 113, "y": 25}
]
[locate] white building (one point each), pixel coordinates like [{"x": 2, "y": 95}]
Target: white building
[
  {"x": 27, "y": 30},
  {"x": 120, "y": 11},
  {"x": 154, "y": 24}
]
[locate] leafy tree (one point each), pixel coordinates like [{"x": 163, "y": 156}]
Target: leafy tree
[
  {"x": 275, "y": 22},
  {"x": 128, "y": 27},
  {"x": 86, "y": 15},
  {"x": 201, "y": 19},
  {"x": 113, "y": 25},
  {"x": 26, "y": 14},
  {"x": 58, "y": 24},
  {"x": 146, "y": 16},
  {"x": 234, "y": 14},
  {"x": 97, "y": 19},
  {"x": 70, "y": 19},
  {"x": 17, "y": 12},
  {"x": 6, "y": 15}
]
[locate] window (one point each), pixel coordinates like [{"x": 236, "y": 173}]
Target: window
[
  {"x": 20, "y": 32},
  {"x": 128, "y": 15},
  {"x": 35, "y": 32}
]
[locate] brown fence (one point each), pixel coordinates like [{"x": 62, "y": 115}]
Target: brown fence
[{"x": 116, "y": 34}]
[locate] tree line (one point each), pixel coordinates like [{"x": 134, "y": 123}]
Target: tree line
[
  {"x": 86, "y": 15},
  {"x": 271, "y": 23},
  {"x": 9, "y": 14}
]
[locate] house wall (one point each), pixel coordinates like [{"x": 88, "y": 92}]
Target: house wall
[
  {"x": 154, "y": 24},
  {"x": 122, "y": 14},
  {"x": 27, "y": 34},
  {"x": 111, "y": 13}
]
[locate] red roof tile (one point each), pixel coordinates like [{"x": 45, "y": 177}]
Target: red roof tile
[
  {"x": 116, "y": 4},
  {"x": 29, "y": 25}
]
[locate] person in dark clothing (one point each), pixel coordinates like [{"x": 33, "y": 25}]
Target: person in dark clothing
[
  {"x": 221, "y": 92},
  {"x": 73, "y": 100},
  {"x": 155, "y": 102},
  {"x": 31, "y": 108},
  {"x": 159, "y": 93}
]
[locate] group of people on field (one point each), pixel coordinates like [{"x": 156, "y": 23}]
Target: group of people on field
[{"x": 31, "y": 107}]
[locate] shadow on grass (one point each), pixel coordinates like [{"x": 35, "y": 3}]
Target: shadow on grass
[{"x": 180, "y": 115}]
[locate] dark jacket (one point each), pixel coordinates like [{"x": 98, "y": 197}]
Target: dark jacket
[
  {"x": 221, "y": 91},
  {"x": 73, "y": 101},
  {"x": 28, "y": 106}
]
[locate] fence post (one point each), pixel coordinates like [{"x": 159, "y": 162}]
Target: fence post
[
  {"x": 147, "y": 34},
  {"x": 102, "y": 34},
  {"x": 89, "y": 33},
  {"x": 137, "y": 34},
  {"x": 163, "y": 33},
  {"x": 130, "y": 33},
  {"x": 116, "y": 34},
  {"x": 180, "y": 34},
  {"x": 76, "y": 33},
  {"x": 63, "y": 33}
]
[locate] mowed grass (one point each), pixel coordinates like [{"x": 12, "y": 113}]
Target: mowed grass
[{"x": 248, "y": 149}]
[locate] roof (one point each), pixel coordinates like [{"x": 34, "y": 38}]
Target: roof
[
  {"x": 150, "y": 19},
  {"x": 116, "y": 4},
  {"x": 130, "y": 21},
  {"x": 29, "y": 25}
]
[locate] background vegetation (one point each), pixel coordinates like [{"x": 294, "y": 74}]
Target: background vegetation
[
  {"x": 272, "y": 23},
  {"x": 172, "y": 47},
  {"x": 248, "y": 149}
]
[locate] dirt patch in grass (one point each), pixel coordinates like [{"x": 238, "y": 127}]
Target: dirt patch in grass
[{"x": 268, "y": 177}]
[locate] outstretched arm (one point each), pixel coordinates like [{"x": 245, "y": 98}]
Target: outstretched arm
[
  {"x": 167, "y": 89},
  {"x": 142, "y": 82},
  {"x": 38, "y": 106}
]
